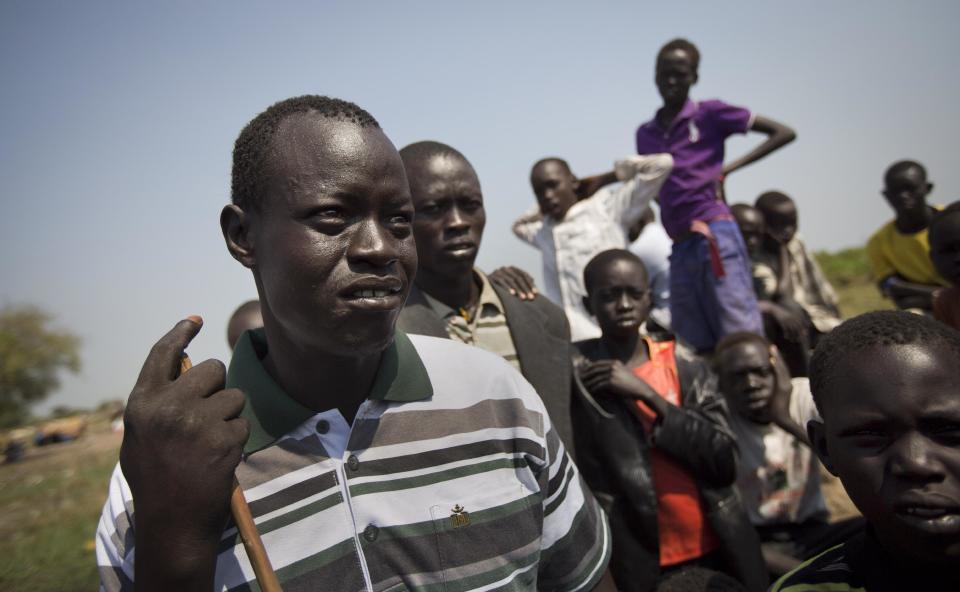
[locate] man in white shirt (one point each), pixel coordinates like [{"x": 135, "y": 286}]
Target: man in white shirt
[{"x": 571, "y": 223}]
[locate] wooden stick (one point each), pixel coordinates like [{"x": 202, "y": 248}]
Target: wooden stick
[{"x": 252, "y": 543}]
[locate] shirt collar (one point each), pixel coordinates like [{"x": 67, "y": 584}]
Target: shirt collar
[
  {"x": 689, "y": 108},
  {"x": 488, "y": 296},
  {"x": 272, "y": 413}
]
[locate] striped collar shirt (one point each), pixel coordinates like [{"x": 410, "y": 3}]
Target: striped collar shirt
[
  {"x": 451, "y": 478},
  {"x": 486, "y": 327}
]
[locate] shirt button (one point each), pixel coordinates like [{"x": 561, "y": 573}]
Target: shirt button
[
  {"x": 353, "y": 462},
  {"x": 370, "y": 533},
  {"x": 323, "y": 426}
]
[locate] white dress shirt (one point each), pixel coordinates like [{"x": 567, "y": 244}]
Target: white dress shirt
[{"x": 590, "y": 226}]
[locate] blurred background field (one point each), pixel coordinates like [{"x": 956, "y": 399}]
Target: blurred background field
[{"x": 50, "y": 501}]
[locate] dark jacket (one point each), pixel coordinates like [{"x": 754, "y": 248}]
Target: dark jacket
[
  {"x": 541, "y": 336},
  {"x": 613, "y": 456}
]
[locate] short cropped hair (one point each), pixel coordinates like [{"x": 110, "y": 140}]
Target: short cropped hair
[
  {"x": 605, "y": 258},
  {"x": 733, "y": 340},
  {"x": 544, "y": 161},
  {"x": 901, "y": 166},
  {"x": 420, "y": 152},
  {"x": 681, "y": 43},
  {"x": 770, "y": 200},
  {"x": 882, "y": 328},
  {"x": 253, "y": 145},
  {"x": 951, "y": 210}
]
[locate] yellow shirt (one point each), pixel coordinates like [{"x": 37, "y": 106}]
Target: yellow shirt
[{"x": 906, "y": 255}]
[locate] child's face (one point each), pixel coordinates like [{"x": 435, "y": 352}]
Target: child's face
[
  {"x": 751, "y": 225},
  {"x": 945, "y": 247},
  {"x": 450, "y": 215},
  {"x": 619, "y": 298},
  {"x": 906, "y": 191},
  {"x": 747, "y": 380},
  {"x": 675, "y": 75},
  {"x": 781, "y": 222},
  {"x": 891, "y": 432},
  {"x": 555, "y": 188},
  {"x": 332, "y": 248}
]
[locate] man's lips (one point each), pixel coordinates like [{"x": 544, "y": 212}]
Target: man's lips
[
  {"x": 934, "y": 514},
  {"x": 460, "y": 248},
  {"x": 375, "y": 293}
]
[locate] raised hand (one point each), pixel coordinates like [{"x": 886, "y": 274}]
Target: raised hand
[
  {"x": 183, "y": 439},
  {"x": 516, "y": 280}
]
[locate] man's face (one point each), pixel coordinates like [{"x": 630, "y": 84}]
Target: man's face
[
  {"x": 781, "y": 222},
  {"x": 619, "y": 298},
  {"x": 945, "y": 247},
  {"x": 675, "y": 75},
  {"x": 333, "y": 244},
  {"x": 555, "y": 188},
  {"x": 752, "y": 227},
  {"x": 906, "y": 191},
  {"x": 747, "y": 380},
  {"x": 891, "y": 432},
  {"x": 449, "y": 216}
]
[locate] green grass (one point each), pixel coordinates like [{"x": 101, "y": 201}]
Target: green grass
[
  {"x": 849, "y": 272},
  {"x": 49, "y": 508}
]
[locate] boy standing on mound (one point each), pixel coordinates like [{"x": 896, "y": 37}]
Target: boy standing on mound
[
  {"x": 710, "y": 281},
  {"x": 886, "y": 386}
]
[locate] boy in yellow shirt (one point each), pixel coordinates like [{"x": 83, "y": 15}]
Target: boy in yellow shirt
[{"x": 899, "y": 251}]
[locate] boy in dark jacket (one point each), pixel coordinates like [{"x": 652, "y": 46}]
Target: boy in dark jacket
[{"x": 653, "y": 441}]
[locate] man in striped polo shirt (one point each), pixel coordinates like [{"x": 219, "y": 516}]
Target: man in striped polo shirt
[
  {"x": 371, "y": 460},
  {"x": 452, "y": 298}
]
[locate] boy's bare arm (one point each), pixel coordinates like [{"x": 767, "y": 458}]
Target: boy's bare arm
[
  {"x": 780, "y": 401},
  {"x": 906, "y": 294},
  {"x": 778, "y": 135}
]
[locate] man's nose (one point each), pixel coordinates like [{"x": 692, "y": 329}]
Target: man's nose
[
  {"x": 911, "y": 459},
  {"x": 373, "y": 244},
  {"x": 456, "y": 220},
  {"x": 624, "y": 302}
]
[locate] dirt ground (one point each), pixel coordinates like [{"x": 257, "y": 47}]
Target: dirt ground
[{"x": 50, "y": 503}]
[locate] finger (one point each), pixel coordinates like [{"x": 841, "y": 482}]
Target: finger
[
  {"x": 204, "y": 379},
  {"x": 226, "y": 404},
  {"x": 239, "y": 430},
  {"x": 163, "y": 362}
]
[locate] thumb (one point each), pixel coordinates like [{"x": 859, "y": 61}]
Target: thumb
[{"x": 163, "y": 363}]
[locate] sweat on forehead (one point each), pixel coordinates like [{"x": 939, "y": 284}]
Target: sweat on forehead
[
  {"x": 254, "y": 144},
  {"x": 883, "y": 328}
]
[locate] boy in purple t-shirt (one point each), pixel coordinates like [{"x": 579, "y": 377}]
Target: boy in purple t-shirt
[{"x": 710, "y": 282}]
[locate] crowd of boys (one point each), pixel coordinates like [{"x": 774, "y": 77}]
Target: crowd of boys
[{"x": 655, "y": 420}]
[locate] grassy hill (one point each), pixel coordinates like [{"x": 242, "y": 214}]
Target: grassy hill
[{"x": 849, "y": 272}]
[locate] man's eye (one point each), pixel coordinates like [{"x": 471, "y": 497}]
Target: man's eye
[
  {"x": 401, "y": 218},
  {"x": 429, "y": 208}
]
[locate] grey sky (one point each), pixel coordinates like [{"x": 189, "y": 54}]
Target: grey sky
[{"x": 117, "y": 121}]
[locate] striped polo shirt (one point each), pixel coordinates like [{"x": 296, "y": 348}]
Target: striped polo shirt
[
  {"x": 487, "y": 328},
  {"x": 450, "y": 478}
]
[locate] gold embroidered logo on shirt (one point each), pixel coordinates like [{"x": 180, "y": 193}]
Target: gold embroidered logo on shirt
[{"x": 459, "y": 517}]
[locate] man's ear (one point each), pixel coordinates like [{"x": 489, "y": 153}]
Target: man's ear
[
  {"x": 235, "y": 224},
  {"x": 816, "y": 433},
  {"x": 586, "y": 305},
  {"x": 696, "y": 77},
  {"x": 928, "y": 189}
]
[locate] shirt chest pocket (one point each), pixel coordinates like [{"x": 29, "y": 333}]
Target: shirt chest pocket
[{"x": 488, "y": 534}]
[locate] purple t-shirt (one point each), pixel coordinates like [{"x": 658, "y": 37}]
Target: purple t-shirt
[{"x": 695, "y": 140}]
